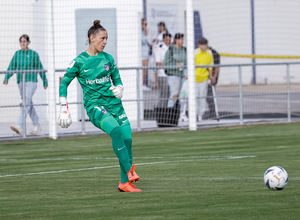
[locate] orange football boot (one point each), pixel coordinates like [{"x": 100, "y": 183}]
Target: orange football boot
[
  {"x": 132, "y": 176},
  {"x": 134, "y": 186},
  {"x": 127, "y": 187}
]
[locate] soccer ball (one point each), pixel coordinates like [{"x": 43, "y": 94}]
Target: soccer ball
[{"x": 276, "y": 178}]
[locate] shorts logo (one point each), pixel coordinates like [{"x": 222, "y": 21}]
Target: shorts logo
[
  {"x": 122, "y": 116},
  {"x": 106, "y": 66},
  {"x": 101, "y": 109}
]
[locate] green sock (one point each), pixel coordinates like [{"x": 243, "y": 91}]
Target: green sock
[
  {"x": 126, "y": 132},
  {"x": 128, "y": 144},
  {"x": 121, "y": 151}
]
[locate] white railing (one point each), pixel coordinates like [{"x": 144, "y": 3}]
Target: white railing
[{"x": 236, "y": 103}]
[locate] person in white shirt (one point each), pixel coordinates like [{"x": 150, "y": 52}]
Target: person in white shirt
[
  {"x": 159, "y": 52},
  {"x": 162, "y": 29}
]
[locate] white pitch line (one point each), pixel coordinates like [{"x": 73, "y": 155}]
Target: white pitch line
[
  {"x": 75, "y": 158},
  {"x": 107, "y": 158},
  {"x": 115, "y": 166}
]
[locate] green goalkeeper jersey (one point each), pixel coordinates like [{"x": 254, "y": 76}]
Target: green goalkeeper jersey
[{"x": 95, "y": 74}]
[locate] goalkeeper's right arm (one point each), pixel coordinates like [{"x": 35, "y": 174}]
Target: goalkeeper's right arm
[{"x": 64, "y": 118}]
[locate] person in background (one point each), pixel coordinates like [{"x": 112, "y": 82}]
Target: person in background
[
  {"x": 202, "y": 57},
  {"x": 159, "y": 52},
  {"x": 162, "y": 29},
  {"x": 152, "y": 73},
  {"x": 27, "y": 59},
  {"x": 215, "y": 75},
  {"x": 176, "y": 56},
  {"x": 102, "y": 88},
  {"x": 146, "y": 46}
]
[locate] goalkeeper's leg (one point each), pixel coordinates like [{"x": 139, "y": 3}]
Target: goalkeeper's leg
[
  {"x": 110, "y": 126},
  {"x": 123, "y": 121},
  {"x": 126, "y": 133},
  {"x": 127, "y": 176},
  {"x": 104, "y": 120}
]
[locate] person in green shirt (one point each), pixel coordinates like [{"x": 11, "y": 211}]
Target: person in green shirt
[
  {"x": 176, "y": 56},
  {"x": 102, "y": 88},
  {"x": 26, "y": 59}
]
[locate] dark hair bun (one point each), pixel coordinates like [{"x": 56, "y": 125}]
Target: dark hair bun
[
  {"x": 94, "y": 29},
  {"x": 97, "y": 23}
]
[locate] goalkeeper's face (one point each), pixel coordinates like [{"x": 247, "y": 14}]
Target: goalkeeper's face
[{"x": 99, "y": 40}]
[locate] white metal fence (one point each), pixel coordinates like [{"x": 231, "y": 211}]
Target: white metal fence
[{"x": 236, "y": 104}]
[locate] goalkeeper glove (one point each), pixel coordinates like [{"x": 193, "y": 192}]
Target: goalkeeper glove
[
  {"x": 117, "y": 91},
  {"x": 64, "y": 118}
]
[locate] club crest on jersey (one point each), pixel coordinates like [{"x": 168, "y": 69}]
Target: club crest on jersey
[
  {"x": 106, "y": 66},
  {"x": 71, "y": 64}
]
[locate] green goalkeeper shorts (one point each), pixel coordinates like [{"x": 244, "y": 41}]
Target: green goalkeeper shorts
[{"x": 107, "y": 117}]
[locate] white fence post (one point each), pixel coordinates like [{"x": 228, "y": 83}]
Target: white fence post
[
  {"x": 51, "y": 70},
  {"x": 241, "y": 95},
  {"x": 288, "y": 87},
  {"x": 191, "y": 64},
  {"x": 24, "y": 103},
  {"x": 139, "y": 103}
]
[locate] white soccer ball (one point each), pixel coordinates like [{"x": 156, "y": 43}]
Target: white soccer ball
[{"x": 276, "y": 178}]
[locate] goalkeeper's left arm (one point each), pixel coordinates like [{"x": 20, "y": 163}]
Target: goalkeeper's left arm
[{"x": 117, "y": 87}]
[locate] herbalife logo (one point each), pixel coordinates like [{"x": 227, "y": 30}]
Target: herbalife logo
[{"x": 97, "y": 81}]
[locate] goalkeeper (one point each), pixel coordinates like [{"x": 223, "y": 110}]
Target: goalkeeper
[{"x": 102, "y": 89}]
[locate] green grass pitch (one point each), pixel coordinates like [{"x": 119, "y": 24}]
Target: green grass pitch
[{"x": 205, "y": 174}]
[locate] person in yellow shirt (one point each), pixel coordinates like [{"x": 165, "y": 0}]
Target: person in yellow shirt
[{"x": 203, "y": 75}]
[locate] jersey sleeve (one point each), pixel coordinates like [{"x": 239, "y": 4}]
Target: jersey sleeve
[
  {"x": 184, "y": 58},
  {"x": 71, "y": 73},
  {"x": 38, "y": 65},
  {"x": 115, "y": 74},
  {"x": 12, "y": 66}
]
